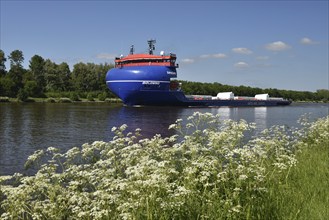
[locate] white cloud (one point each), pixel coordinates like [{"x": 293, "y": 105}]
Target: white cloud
[
  {"x": 241, "y": 65},
  {"x": 219, "y": 55},
  {"x": 277, "y": 46},
  {"x": 205, "y": 56},
  {"x": 242, "y": 50},
  {"x": 187, "y": 60},
  {"x": 216, "y": 55},
  {"x": 307, "y": 41},
  {"x": 262, "y": 58},
  {"x": 106, "y": 56}
]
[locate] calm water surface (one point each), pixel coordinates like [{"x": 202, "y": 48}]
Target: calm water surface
[{"x": 26, "y": 127}]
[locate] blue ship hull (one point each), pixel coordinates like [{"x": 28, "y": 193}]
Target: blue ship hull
[{"x": 150, "y": 85}]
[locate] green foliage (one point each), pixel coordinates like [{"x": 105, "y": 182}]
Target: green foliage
[
  {"x": 90, "y": 97},
  {"x": 51, "y": 75},
  {"x": 31, "y": 88},
  {"x": 2, "y": 63},
  {"x": 102, "y": 96},
  {"x": 323, "y": 94},
  {"x": 22, "y": 95},
  {"x": 74, "y": 97},
  {"x": 89, "y": 77},
  {"x": 82, "y": 77},
  {"x": 57, "y": 76},
  {"x": 16, "y": 58},
  {"x": 205, "y": 172},
  {"x": 7, "y": 87},
  {"x": 197, "y": 88},
  {"x": 15, "y": 74},
  {"x": 37, "y": 70},
  {"x": 304, "y": 194}
]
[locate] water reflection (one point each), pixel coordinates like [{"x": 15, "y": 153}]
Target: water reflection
[
  {"x": 224, "y": 113},
  {"x": 261, "y": 117},
  {"x": 152, "y": 120},
  {"x": 236, "y": 113}
]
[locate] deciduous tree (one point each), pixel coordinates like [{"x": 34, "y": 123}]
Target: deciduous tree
[
  {"x": 16, "y": 58},
  {"x": 2, "y": 63},
  {"x": 37, "y": 70}
]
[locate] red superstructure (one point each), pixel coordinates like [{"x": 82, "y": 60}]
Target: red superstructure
[{"x": 146, "y": 59}]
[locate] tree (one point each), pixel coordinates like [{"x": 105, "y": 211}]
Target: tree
[
  {"x": 22, "y": 95},
  {"x": 2, "y": 63},
  {"x": 31, "y": 88},
  {"x": 16, "y": 58},
  {"x": 84, "y": 77},
  {"x": 16, "y": 75},
  {"x": 101, "y": 71},
  {"x": 16, "y": 71},
  {"x": 7, "y": 87},
  {"x": 37, "y": 64},
  {"x": 64, "y": 75},
  {"x": 322, "y": 94},
  {"x": 51, "y": 75}
]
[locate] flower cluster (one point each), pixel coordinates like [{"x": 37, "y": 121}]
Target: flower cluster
[{"x": 207, "y": 170}]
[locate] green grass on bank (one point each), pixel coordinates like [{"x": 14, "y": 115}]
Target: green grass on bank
[{"x": 305, "y": 195}]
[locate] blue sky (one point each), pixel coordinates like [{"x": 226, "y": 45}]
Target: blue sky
[{"x": 266, "y": 44}]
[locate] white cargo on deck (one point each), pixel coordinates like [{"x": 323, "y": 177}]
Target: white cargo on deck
[
  {"x": 244, "y": 98},
  {"x": 262, "y": 96},
  {"x": 276, "y": 99},
  {"x": 225, "y": 95}
]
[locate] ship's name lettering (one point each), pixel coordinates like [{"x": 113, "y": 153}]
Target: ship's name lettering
[
  {"x": 171, "y": 73},
  {"x": 256, "y": 103},
  {"x": 151, "y": 83}
]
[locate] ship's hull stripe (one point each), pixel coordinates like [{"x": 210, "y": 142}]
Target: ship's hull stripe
[{"x": 133, "y": 81}]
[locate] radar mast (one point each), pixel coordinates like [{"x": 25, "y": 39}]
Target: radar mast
[
  {"x": 132, "y": 49},
  {"x": 151, "y": 46}
]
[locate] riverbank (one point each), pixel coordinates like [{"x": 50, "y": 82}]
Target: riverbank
[
  {"x": 305, "y": 194},
  {"x": 109, "y": 100},
  {"x": 60, "y": 100},
  {"x": 212, "y": 173}
]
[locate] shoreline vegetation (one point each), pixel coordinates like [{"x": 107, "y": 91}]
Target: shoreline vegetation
[
  {"x": 60, "y": 100},
  {"x": 46, "y": 79},
  {"x": 83, "y": 100},
  {"x": 206, "y": 171}
]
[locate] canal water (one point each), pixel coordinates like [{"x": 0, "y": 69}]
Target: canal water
[{"x": 26, "y": 127}]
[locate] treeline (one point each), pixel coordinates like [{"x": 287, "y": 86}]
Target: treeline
[
  {"x": 198, "y": 88},
  {"x": 45, "y": 78}
]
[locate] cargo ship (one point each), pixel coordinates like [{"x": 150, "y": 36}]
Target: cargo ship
[{"x": 149, "y": 79}]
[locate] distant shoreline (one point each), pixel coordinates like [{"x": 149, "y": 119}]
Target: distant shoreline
[
  {"x": 84, "y": 100},
  {"x": 58, "y": 100}
]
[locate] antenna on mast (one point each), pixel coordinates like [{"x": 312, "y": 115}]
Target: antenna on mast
[
  {"x": 132, "y": 49},
  {"x": 151, "y": 46}
]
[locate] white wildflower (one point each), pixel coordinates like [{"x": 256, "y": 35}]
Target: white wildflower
[
  {"x": 172, "y": 126},
  {"x": 243, "y": 177},
  {"x": 179, "y": 121},
  {"x": 236, "y": 208}
]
